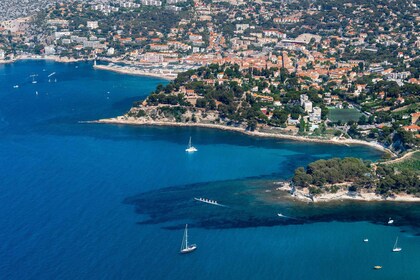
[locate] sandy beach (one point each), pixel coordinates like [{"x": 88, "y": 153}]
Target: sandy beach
[{"x": 134, "y": 121}]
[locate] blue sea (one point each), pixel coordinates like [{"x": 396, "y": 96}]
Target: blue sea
[{"x": 94, "y": 201}]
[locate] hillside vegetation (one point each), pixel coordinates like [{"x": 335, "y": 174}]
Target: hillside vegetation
[{"x": 356, "y": 174}]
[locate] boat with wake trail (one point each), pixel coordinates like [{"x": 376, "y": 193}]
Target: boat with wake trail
[{"x": 209, "y": 201}]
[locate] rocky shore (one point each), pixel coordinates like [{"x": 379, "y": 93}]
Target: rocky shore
[{"x": 302, "y": 194}]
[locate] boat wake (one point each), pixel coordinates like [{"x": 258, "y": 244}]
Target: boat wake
[{"x": 287, "y": 217}]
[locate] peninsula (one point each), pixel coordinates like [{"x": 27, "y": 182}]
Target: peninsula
[
  {"x": 267, "y": 103},
  {"x": 355, "y": 179}
]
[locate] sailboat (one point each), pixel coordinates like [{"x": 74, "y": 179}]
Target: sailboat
[
  {"x": 191, "y": 148},
  {"x": 185, "y": 248},
  {"x": 396, "y": 248},
  {"x": 390, "y": 221},
  {"x": 33, "y": 78}
]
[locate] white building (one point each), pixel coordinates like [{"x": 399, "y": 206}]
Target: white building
[
  {"x": 173, "y": 8},
  {"x": 303, "y": 98},
  {"x": 110, "y": 51},
  {"x": 274, "y": 33},
  {"x": 130, "y": 5},
  {"x": 195, "y": 37},
  {"x": 242, "y": 27},
  {"x": 93, "y": 45},
  {"x": 151, "y": 3},
  {"x": 60, "y": 34},
  {"x": 66, "y": 41},
  {"x": 92, "y": 24},
  {"x": 399, "y": 75},
  {"x": 307, "y": 106},
  {"x": 49, "y": 50},
  {"x": 315, "y": 116},
  {"x": 170, "y": 2},
  {"x": 152, "y": 57},
  {"x": 2, "y": 55},
  {"x": 196, "y": 50}
]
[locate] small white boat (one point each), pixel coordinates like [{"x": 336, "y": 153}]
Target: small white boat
[
  {"x": 185, "y": 248},
  {"x": 280, "y": 215},
  {"x": 16, "y": 86},
  {"x": 365, "y": 240},
  {"x": 396, "y": 248},
  {"x": 390, "y": 221},
  {"x": 191, "y": 148}
]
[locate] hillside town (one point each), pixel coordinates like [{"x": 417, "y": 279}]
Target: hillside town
[
  {"x": 12, "y": 9},
  {"x": 210, "y": 139},
  {"x": 305, "y": 67},
  {"x": 276, "y": 102}
]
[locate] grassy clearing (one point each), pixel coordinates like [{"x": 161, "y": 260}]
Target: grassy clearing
[{"x": 343, "y": 115}]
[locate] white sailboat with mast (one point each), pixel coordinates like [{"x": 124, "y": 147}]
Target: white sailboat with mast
[
  {"x": 396, "y": 248},
  {"x": 33, "y": 78},
  {"x": 191, "y": 148},
  {"x": 185, "y": 248}
]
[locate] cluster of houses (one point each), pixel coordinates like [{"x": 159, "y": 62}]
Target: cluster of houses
[{"x": 108, "y": 7}]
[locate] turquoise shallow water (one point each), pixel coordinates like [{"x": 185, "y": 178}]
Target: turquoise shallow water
[{"x": 82, "y": 201}]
